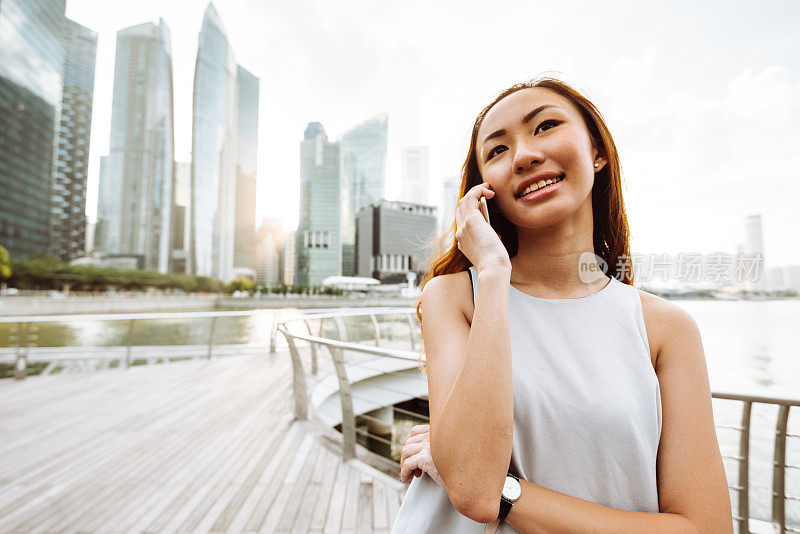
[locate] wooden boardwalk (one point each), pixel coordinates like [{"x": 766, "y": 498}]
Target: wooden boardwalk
[{"x": 196, "y": 446}]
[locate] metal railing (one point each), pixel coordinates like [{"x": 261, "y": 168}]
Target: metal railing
[
  {"x": 779, "y": 495},
  {"x": 339, "y": 348},
  {"x": 24, "y": 349}
]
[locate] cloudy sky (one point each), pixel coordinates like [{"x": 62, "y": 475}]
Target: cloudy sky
[{"x": 703, "y": 98}]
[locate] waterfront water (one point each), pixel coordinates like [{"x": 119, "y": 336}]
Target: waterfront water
[
  {"x": 175, "y": 331},
  {"x": 750, "y": 347}
]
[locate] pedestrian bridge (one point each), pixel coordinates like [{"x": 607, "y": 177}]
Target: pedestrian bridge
[
  {"x": 239, "y": 438},
  {"x": 192, "y": 446}
]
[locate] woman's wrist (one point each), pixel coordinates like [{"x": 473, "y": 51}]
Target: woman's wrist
[{"x": 500, "y": 268}]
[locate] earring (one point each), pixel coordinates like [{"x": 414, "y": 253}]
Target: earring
[{"x": 596, "y": 165}]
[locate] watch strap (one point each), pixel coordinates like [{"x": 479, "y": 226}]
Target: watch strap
[{"x": 505, "y": 504}]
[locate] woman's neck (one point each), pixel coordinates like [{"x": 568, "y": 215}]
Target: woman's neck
[{"x": 547, "y": 260}]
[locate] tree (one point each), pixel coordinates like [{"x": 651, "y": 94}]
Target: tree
[
  {"x": 239, "y": 284},
  {"x": 5, "y": 264}
]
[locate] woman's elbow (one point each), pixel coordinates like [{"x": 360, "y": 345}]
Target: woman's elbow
[{"x": 481, "y": 509}]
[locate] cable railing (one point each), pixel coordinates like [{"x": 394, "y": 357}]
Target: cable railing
[{"x": 354, "y": 367}]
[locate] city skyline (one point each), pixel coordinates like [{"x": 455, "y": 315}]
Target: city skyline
[{"x": 681, "y": 144}]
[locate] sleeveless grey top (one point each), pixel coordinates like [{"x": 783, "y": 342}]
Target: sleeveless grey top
[{"x": 587, "y": 408}]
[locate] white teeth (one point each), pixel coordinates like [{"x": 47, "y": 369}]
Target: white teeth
[{"x": 538, "y": 185}]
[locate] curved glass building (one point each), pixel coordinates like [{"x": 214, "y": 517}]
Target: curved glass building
[{"x": 214, "y": 152}]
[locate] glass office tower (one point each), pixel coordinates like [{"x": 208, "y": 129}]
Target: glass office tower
[
  {"x": 135, "y": 198},
  {"x": 317, "y": 246},
  {"x": 68, "y": 197},
  {"x": 363, "y": 172},
  {"x": 244, "y": 253},
  {"x": 214, "y": 148},
  {"x": 181, "y": 216},
  {"x": 415, "y": 181},
  {"x": 31, "y": 70}
]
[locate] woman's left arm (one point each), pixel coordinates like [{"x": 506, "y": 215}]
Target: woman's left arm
[{"x": 692, "y": 487}]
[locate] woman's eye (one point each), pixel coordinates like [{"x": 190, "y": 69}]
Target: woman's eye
[
  {"x": 549, "y": 123},
  {"x": 493, "y": 152}
]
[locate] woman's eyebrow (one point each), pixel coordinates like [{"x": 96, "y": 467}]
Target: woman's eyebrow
[{"x": 526, "y": 119}]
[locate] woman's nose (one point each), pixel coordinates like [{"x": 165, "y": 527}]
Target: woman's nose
[{"x": 526, "y": 157}]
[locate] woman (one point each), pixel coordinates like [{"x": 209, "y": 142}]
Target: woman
[{"x": 578, "y": 402}]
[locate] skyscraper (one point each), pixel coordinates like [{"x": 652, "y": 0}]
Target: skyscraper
[
  {"x": 415, "y": 175},
  {"x": 31, "y": 73},
  {"x": 214, "y": 148},
  {"x": 135, "y": 197},
  {"x": 288, "y": 256},
  {"x": 363, "y": 172},
  {"x": 244, "y": 255},
  {"x": 754, "y": 252},
  {"x": 448, "y": 205},
  {"x": 268, "y": 250},
  {"x": 68, "y": 197},
  {"x": 181, "y": 216},
  {"x": 317, "y": 239}
]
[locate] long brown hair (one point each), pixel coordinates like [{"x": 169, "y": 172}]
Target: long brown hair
[{"x": 611, "y": 237}]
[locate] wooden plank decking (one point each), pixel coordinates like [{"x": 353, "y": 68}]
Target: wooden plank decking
[{"x": 196, "y": 446}]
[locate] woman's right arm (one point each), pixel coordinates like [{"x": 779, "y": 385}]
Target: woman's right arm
[{"x": 470, "y": 384}]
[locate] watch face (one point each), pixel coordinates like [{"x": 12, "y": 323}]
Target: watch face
[{"x": 512, "y": 489}]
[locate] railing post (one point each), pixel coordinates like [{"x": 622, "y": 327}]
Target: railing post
[
  {"x": 376, "y": 329},
  {"x": 744, "y": 468},
  {"x": 779, "y": 472},
  {"x": 298, "y": 380},
  {"x": 411, "y": 332},
  {"x": 211, "y": 337},
  {"x": 129, "y": 343},
  {"x": 274, "y": 332},
  {"x": 340, "y": 328},
  {"x": 21, "y": 363},
  {"x": 346, "y": 398},
  {"x": 313, "y": 349}
]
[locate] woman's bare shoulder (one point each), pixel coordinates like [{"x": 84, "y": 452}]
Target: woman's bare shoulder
[
  {"x": 659, "y": 317},
  {"x": 454, "y": 289}
]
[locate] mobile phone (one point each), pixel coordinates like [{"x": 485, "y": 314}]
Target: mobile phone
[{"x": 484, "y": 208}]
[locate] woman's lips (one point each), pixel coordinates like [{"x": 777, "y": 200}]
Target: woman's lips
[{"x": 539, "y": 193}]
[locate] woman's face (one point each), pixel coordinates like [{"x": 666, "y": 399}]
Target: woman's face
[{"x": 536, "y": 133}]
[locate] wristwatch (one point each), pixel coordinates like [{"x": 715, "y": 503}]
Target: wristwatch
[{"x": 511, "y": 492}]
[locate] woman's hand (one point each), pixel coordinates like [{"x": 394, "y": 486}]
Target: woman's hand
[
  {"x": 416, "y": 456},
  {"x": 475, "y": 237}
]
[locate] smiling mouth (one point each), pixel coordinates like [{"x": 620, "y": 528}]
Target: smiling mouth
[{"x": 542, "y": 184}]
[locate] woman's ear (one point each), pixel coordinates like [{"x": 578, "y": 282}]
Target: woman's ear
[{"x": 599, "y": 161}]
